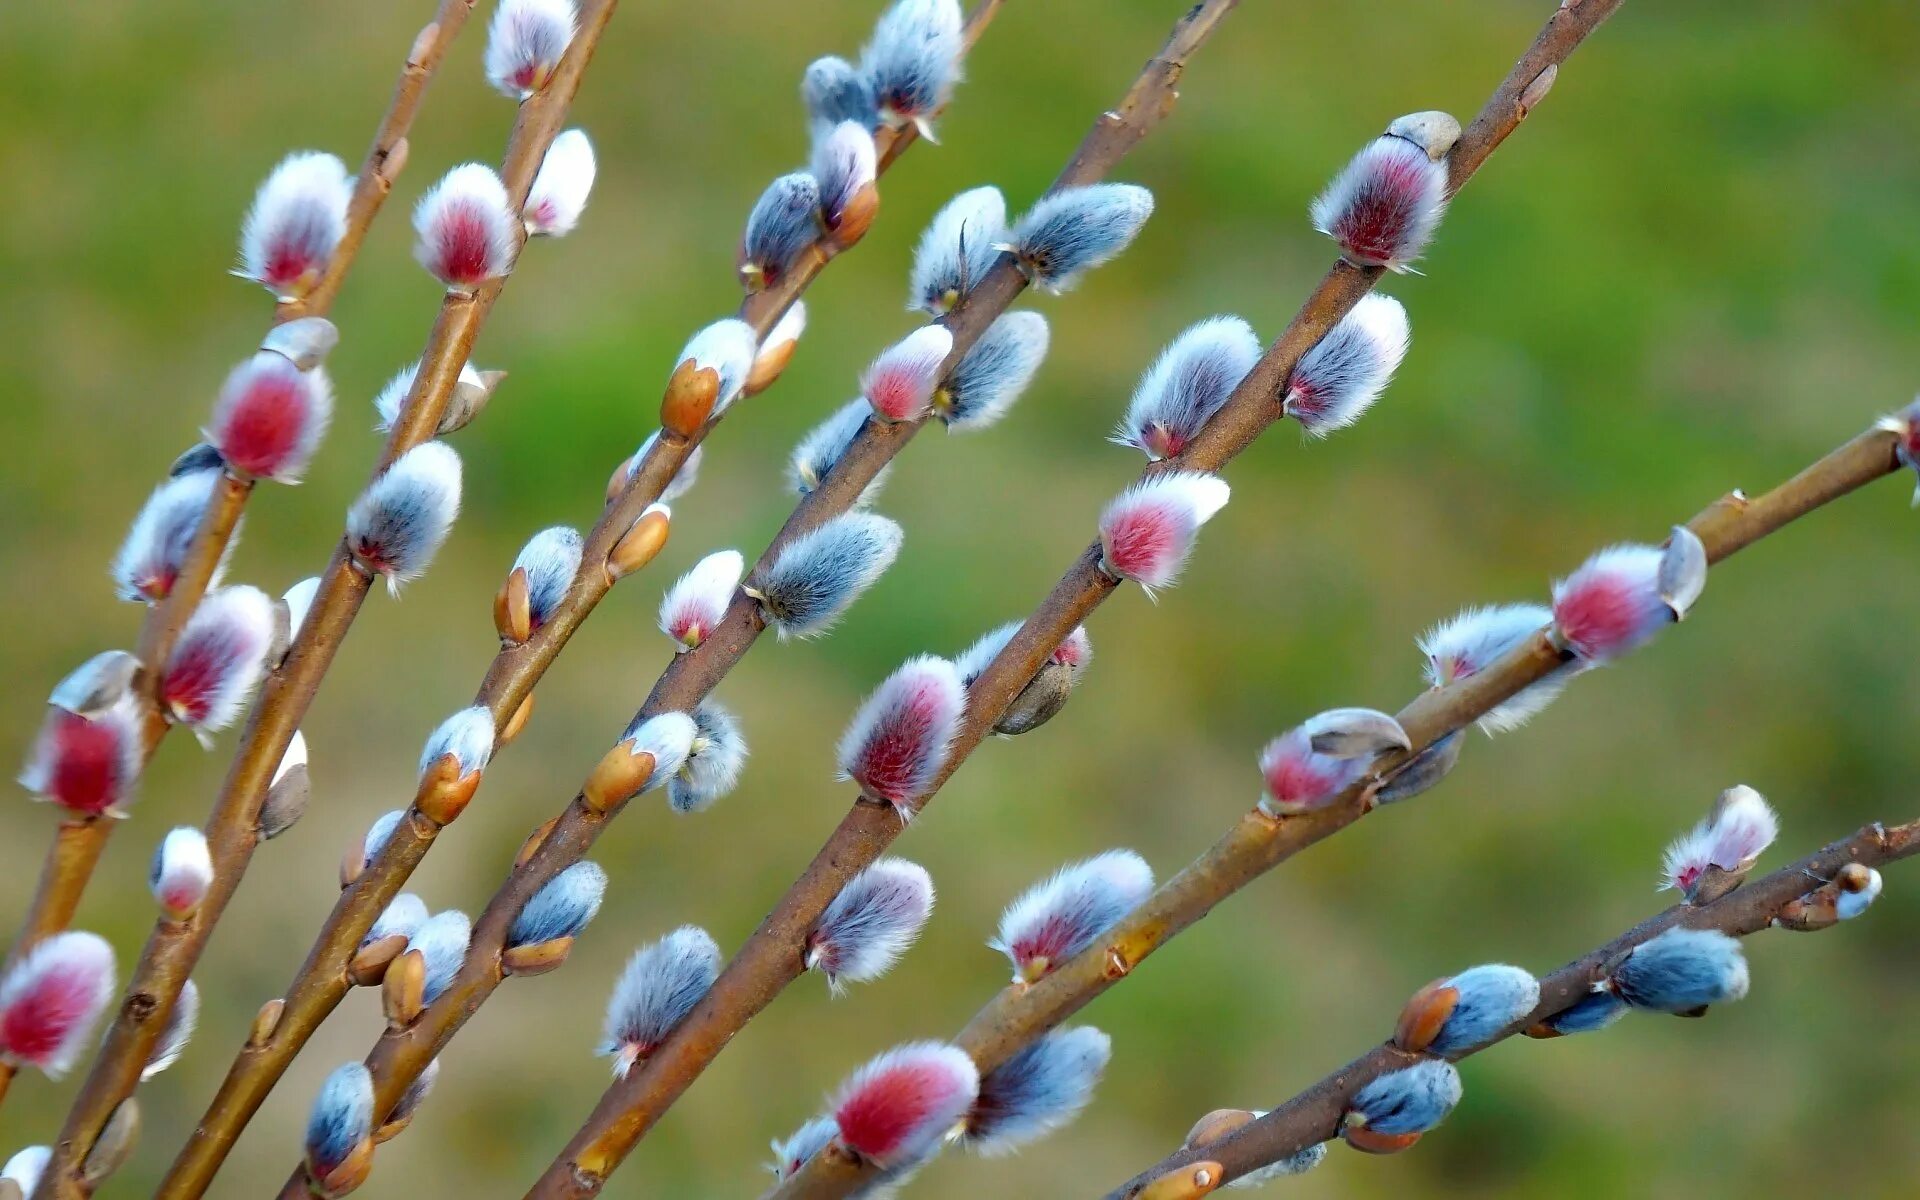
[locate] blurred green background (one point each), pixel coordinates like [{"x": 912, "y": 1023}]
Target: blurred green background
[{"x": 1695, "y": 268}]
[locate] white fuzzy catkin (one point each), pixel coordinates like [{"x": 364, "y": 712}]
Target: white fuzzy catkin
[
  {"x": 561, "y": 188},
  {"x": 400, "y": 522},
  {"x": 958, "y": 247}
]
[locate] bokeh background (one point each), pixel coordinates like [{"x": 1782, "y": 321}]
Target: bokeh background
[{"x": 1695, "y": 268}]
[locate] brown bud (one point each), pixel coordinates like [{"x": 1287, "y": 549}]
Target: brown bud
[
  {"x": 515, "y": 723},
  {"x": 350, "y": 1174},
  {"x": 444, "y": 792},
  {"x": 1853, "y": 878},
  {"x": 1541, "y": 1031},
  {"x": 857, "y": 216},
  {"x": 265, "y": 1022},
  {"x": 114, "y": 1145},
  {"x": 1715, "y": 882},
  {"x": 286, "y": 801},
  {"x": 1216, "y": 1125},
  {"x": 468, "y": 398},
  {"x": 353, "y": 861},
  {"x": 1537, "y": 90},
  {"x": 1183, "y": 1183},
  {"x": 690, "y": 397},
  {"x": 1694, "y": 1013},
  {"x": 534, "y": 841},
  {"x": 9, "y": 1190},
  {"x": 1817, "y": 910},
  {"x": 368, "y": 967},
  {"x": 537, "y": 958},
  {"x": 403, "y": 991},
  {"x": 622, "y": 472},
  {"x": 620, "y": 775},
  {"x": 638, "y": 545},
  {"x": 1425, "y": 1016},
  {"x": 1368, "y": 1142},
  {"x": 767, "y": 367},
  {"x": 512, "y": 616}
]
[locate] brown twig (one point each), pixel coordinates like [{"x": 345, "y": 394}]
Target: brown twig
[
  {"x": 233, "y": 827},
  {"x": 322, "y": 982},
  {"x": 772, "y": 957},
  {"x": 1022, "y": 1012},
  {"x": 80, "y": 841},
  {"x": 1314, "y": 1115}
]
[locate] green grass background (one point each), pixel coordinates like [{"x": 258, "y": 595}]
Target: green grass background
[{"x": 1694, "y": 268}]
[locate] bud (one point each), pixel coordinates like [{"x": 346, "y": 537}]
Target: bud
[
  {"x": 777, "y": 349},
  {"x": 694, "y": 605},
  {"x": 97, "y": 685},
  {"x": 340, "y": 1129},
  {"x": 1679, "y": 971},
  {"x": 898, "y": 740},
  {"x": 1729, "y": 839},
  {"x": 181, "y": 1023},
  {"x": 718, "y": 360},
  {"x": 451, "y": 762},
  {"x": 1468, "y": 643},
  {"x": 1384, "y": 207},
  {"x": 871, "y": 923},
  {"x": 641, "y": 543},
  {"x": 1487, "y": 999},
  {"x": 560, "y": 909},
  {"x": 913, "y": 61},
  {"x": 647, "y": 755},
  {"x": 1071, "y": 231},
  {"x": 1683, "y": 571},
  {"x": 51, "y": 998},
  {"x": 181, "y": 872},
  {"x": 378, "y": 834},
  {"x": 713, "y": 764},
  {"x": 833, "y": 91},
  {"x": 960, "y": 245},
  {"x": 681, "y": 483},
  {"x": 218, "y": 659},
  {"x": 1296, "y": 778},
  {"x": 157, "y": 545},
  {"x": 1298, "y": 1163},
  {"x": 1594, "y": 1011},
  {"x": 821, "y": 450},
  {"x": 270, "y": 417},
  {"x": 111, "y": 1150},
  {"x": 1064, "y": 914},
  {"x": 844, "y": 168},
  {"x": 659, "y": 987},
  {"x": 900, "y": 382},
  {"x": 1336, "y": 381},
  {"x": 471, "y": 391},
  {"x": 1423, "y": 771},
  {"x": 784, "y": 221},
  {"x": 1147, "y": 532},
  {"x": 1859, "y": 888},
  {"x": 791, "y": 1155},
  {"x": 298, "y": 600},
  {"x": 386, "y": 939},
  {"x": 86, "y": 765},
  {"x": 1411, "y": 1100},
  {"x": 1046, "y": 693},
  {"x": 304, "y": 341},
  {"x": 1187, "y": 385},
  {"x": 1182, "y": 1183},
  {"x": 442, "y": 943},
  {"x": 823, "y": 571},
  {"x": 298, "y": 217},
  {"x": 1354, "y": 733},
  {"x": 409, "y": 1103},
  {"x": 548, "y": 563},
  {"x": 399, "y": 523},
  {"x": 465, "y": 228},
  {"x": 1612, "y": 604},
  {"x": 525, "y": 43},
  {"x": 991, "y": 376},
  {"x": 1041, "y": 1088},
  {"x": 561, "y": 188},
  {"x": 26, "y": 1167}
]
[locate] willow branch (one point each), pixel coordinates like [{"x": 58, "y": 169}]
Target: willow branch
[
  {"x": 1314, "y": 1115},
  {"x": 322, "y": 980},
  {"x": 233, "y": 827},
  {"x": 773, "y": 957},
  {"x": 80, "y": 840},
  {"x": 1023, "y": 1012}
]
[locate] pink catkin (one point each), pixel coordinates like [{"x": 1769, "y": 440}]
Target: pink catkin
[
  {"x": 894, "y": 755},
  {"x": 1374, "y": 226},
  {"x": 1142, "y": 540},
  {"x": 1600, "y": 615},
  {"x": 886, "y": 1115},
  {"x": 87, "y": 766},
  {"x": 463, "y": 245},
  {"x": 267, "y": 424},
  {"x": 37, "y": 1024}
]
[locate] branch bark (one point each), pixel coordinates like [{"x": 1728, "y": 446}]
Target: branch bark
[
  {"x": 233, "y": 827},
  {"x": 772, "y": 956},
  {"x": 1314, "y": 1115},
  {"x": 1023, "y": 1012},
  {"x": 321, "y": 982}
]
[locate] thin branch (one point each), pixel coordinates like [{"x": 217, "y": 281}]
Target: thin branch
[
  {"x": 321, "y": 982},
  {"x": 772, "y": 957},
  {"x": 1314, "y": 1115},
  {"x": 233, "y": 827},
  {"x": 1023, "y": 1012}
]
